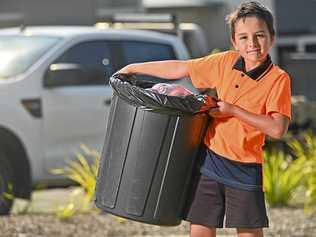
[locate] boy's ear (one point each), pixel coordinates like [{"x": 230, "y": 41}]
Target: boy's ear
[{"x": 232, "y": 40}]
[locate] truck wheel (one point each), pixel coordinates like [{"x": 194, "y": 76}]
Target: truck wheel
[{"x": 6, "y": 185}]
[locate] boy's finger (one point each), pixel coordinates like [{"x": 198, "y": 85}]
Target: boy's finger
[{"x": 213, "y": 111}]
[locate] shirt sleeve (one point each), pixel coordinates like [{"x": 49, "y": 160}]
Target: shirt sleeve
[
  {"x": 279, "y": 99},
  {"x": 206, "y": 72}
]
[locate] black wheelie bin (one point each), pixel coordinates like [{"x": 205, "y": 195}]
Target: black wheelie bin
[{"x": 151, "y": 145}]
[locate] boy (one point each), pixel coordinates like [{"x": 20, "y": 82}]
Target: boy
[{"x": 254, "y": 101}]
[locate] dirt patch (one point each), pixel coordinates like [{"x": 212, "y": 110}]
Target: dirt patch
[{"x": 288, "y": 222}]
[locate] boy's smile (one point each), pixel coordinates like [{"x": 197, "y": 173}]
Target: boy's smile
[{"x": 253, "y": 41}]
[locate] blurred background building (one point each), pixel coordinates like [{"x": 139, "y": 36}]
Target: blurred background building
[{"x": 293, "y": 19}]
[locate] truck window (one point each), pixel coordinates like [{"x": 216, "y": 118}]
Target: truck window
[
  {"x": 141, "y": 51},
  {"x": 136, "y": 51},
  {"x": 18, "y": 53},
  {"x": 94, "y": 56}
]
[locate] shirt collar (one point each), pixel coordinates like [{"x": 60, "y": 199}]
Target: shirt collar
[{"x": 258, "y": 72}]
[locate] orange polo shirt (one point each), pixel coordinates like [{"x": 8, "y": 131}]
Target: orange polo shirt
[{"x": 231, "y": 137}]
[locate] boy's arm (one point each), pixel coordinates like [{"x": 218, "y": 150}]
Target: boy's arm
[
  {"x": 274, "y": 125},
  {"x": 169, "y": 69}
]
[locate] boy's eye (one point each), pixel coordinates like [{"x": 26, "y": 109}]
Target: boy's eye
[
  {"x": 243, "y": 37},
  {"x": 260, "y": 35}
]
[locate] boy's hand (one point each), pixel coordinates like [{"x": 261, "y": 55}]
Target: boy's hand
[
  {"x": 223, "y": 110},
  {"x": 124, "y": 70}
]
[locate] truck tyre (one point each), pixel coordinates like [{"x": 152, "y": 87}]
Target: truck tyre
[{"x": 6, "y": 185}]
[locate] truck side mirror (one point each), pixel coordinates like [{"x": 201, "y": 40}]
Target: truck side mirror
[{"x": 68, "y": 74}]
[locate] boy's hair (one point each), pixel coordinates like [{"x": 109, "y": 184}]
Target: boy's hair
[{"x": 250, "y": 9}]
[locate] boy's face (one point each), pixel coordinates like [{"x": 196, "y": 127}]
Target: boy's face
[{"x": 253, "y": 41}]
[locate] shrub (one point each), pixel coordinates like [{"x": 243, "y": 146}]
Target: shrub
[
  {"x": 83, "y": 172},
  {"x": 282, "y": 176},
  {"x": 305, "y": 148}
]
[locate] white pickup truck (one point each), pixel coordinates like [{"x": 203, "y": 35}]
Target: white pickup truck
[{"x": 54, "y": 95}]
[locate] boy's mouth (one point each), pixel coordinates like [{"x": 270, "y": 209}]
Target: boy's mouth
[{"x": 253, "y": 51}]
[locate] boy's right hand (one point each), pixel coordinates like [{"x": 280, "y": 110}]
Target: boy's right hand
[{"x": 223, "y": 110}]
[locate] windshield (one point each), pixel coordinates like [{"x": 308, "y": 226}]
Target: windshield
[{"x": 18, "y": 53}]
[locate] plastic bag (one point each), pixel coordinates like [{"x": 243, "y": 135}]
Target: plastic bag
[{"x": 170, "y": 89}]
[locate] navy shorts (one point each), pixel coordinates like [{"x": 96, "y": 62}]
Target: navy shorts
[{"x": 212, "y": 201}]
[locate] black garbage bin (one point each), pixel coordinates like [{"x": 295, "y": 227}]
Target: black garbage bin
[{"x": 151, "y": 145}]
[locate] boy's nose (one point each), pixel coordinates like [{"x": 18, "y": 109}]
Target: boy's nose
[{"x": 253, "y": 42}]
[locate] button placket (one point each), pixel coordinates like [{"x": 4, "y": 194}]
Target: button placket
[
  {"x": 236, "y": 89},
  {"x": 246, "y": 84}
]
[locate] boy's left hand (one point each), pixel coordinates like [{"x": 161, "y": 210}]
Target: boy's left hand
[{"x": 223, "y": 110}]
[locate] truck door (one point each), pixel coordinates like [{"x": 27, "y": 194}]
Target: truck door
[{"x": 75, "y": 112}]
